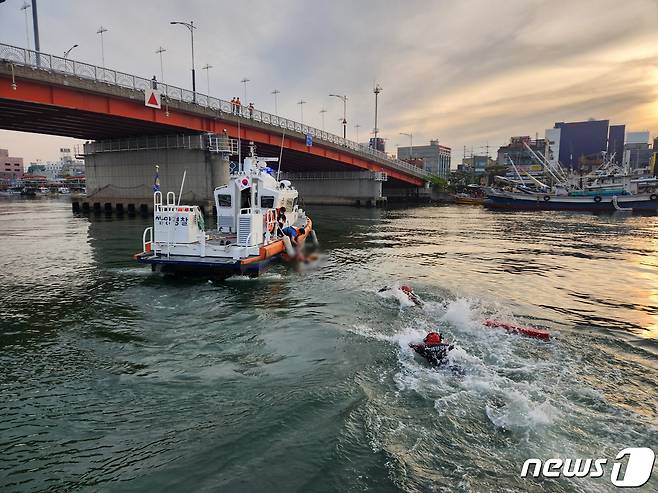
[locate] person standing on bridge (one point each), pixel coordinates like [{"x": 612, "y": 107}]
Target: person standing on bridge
[
  {"x": 233, "y": 105},
  {"x": 238, "y": 105},
  {"x": 251, "y": 110},
  {"x": 154, "y": 83}
]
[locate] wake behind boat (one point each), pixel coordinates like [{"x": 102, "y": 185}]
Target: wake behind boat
[{"x": 258, "y": 220}]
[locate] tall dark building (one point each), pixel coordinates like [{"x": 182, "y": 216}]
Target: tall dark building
[
  {"x": 616, "y": 141},
  {"x": 582, "y": 139}
]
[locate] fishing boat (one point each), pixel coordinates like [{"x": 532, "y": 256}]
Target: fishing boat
[
  {"x": 609, "y": 188},
  {"x": 465, "y": 199},
  {"x": 256, "y": 216}
]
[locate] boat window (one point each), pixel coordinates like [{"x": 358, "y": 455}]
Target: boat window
[
  {"x": 245, "y": 198},
  {"x": 267, "y": 202},
  {"x": 224, "y": 200}
]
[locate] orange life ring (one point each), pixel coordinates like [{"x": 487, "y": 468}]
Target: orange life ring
[{"x": 270, "y": 220}]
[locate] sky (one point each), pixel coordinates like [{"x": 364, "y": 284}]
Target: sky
[{"x": 466, "y": 72}]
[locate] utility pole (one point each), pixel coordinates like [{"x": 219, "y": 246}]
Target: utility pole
[
  {"x": 376, "y": 90},
  {"x": 276, "y": 92},
  {"x": 160, "y": 51}
]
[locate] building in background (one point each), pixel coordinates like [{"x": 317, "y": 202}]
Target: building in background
[
  {"x": 637, "y": 151},
  {"x": 11, "y": 168},
  {"x": 579, "y": 140},
  {"x": 516, "y": 152},
  {"x": 436, "y": 158}
]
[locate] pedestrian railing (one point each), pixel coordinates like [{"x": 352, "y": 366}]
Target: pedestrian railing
[{"x": 52, "y": 63}]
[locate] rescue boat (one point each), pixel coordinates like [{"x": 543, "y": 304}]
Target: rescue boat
[{"x": 250, "y": 227}]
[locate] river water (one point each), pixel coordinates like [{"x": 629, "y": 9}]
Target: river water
[{"x": 117, "y": 379}]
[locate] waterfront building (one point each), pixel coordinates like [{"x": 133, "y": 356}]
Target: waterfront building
[
  {"x": 11, "y": 168},
  {"x": 637, "y": 151},
  {"x": 582, "y": 143},
  {"x": 522, "y": 158},
  {"x": 436, "y": 158}
]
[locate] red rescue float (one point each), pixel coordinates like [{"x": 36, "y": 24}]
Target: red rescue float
[{"x": 517, "y": 329}]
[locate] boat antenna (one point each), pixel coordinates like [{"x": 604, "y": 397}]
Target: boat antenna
[
  {"x": 278, "y": 171},
  {"x": 239, "y": 147},
  {"x": 181, "y": 187}
]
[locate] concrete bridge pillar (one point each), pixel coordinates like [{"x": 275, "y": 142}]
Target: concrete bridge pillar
[
  {"x": 361, "y": 188},
  {"x": 120, "y": 174}
]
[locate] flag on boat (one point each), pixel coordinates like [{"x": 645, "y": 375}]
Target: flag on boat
[
  {"x": 156, "y": 181},
  {"x": 243, "y": 182}
]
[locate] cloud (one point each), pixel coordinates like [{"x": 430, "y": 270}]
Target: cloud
[{"x": 465, "y": 71}]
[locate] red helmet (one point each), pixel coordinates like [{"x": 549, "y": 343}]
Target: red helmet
[
  {"x": 432, "y": 338},
  {"x": 406, "y": 289}
]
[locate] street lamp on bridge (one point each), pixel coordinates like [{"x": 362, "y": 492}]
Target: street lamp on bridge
[
  {"x": 344, "y": 99},
  {"x": 66, "y": 53},
  {"x": 322, "y": 112},
  {"x": 411, "y": 143},
  {"x": 100, "y": 31},
  {"x": 27, "y": 28},
  {"x": 207, "y": 68},
  {"x": 276, "y": 92},
  {"x": 190, "y": 26},
  {"x": 160, "y": 51},
  {"x": 357, "y": 127},
  {"x": 244, "y": 81},
  {"x": 301, "y": 104},
  {"x": 376, "y": 91}
]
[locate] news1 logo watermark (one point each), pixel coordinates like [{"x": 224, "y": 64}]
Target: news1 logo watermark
[{"x": 639, "y": 467}]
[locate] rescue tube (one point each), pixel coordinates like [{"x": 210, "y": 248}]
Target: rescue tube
[{"x": 526, "y": 331}]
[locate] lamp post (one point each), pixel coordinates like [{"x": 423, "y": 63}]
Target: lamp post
[
  {"x": 376, "y": 90},
  {"x": 66, "y": 53},
  {"x": 411, "y": 143},
  {"x": 344, "y": 99},
  {"x": 207, "y": 68},
  {"x": 35, "y": 27},
  {"x": 322, "y": 112},
  {"x": 190, "y": 26},
  {"x": 160, "y": 51},
  {"x": 100, "y": 31},
  {"x": 244, "y": 81},
  {"x": 27, "y": 29},
  {"x": 357, "y": 127},
  {"x": 301, "y": 104},
  {"x": 276, "y": 92}
]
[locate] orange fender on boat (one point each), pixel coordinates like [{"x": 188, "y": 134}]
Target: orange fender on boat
[{"x": 526, "y": 331}]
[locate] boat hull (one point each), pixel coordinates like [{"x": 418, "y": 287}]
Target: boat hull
[{"x": 512, "y": 201}]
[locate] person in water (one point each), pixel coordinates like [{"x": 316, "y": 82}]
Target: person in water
[
  {"x": 408, "y": 291},
  {"x": 433, "y": 349}
]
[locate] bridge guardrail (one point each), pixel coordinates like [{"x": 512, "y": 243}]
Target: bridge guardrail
[{"x": 57, "y": 64}]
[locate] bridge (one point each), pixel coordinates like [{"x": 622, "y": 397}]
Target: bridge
[{"x": 48, "y": 94}]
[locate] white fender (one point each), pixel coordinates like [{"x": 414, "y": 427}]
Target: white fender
[{"x": 288, "y": 244}]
